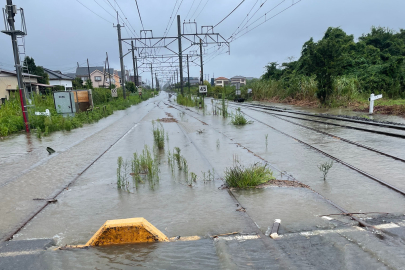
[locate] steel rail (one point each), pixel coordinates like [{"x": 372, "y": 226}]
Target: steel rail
[
  {"x": 402, "y": 136},
  {"x": 336, "y": 137},
  {"x": 361, "y": 222},
  {"x": 50, "y": 200},
  {"x": 400, "y": 127},
  {"x": 333, "y": 158}
]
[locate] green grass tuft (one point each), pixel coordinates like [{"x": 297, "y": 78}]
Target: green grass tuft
[{"x": 240, "y": 177}]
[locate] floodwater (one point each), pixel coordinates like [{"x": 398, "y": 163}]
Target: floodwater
[{"x": 210, "y": 145}]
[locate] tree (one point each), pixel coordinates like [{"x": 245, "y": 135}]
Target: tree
[
  {"x": 88, "y": 84},
  {"x": 77, "y": 83},
  {"x": 130, "y": 86},
  {"x": 36, "y": 70}
]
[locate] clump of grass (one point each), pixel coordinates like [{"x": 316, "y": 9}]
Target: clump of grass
[
  {"x": 144, "y": 167},
  {"x": 243, "y": 177},
  {"x": 159, "y": 136},
  {"x": 238, "y": 119},
  {"x": 266, "y": 137},
  {"x": 325, "y": 167},
  {"x": 186, "y": 100},
  {"x": 122, "y": 174}
]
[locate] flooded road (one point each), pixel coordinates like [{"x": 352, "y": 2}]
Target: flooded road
[{"x": 233, "y": 224}]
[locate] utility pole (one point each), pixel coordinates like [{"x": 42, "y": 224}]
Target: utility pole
[
  {"x": 109, "y": 73},
  {"x": 10, "y": 13},
  {"x": 121, "y": 58},
  {"x": 180, "y": 54},
  {"x": 177, "y": 77},
  {"x": 201, "y": 63},
  {"x": 133, "y": 61},
  {"x": 188, "y": 75},
  {"x": 151, "y": 73},
  {"x": 88, "y": 68}
]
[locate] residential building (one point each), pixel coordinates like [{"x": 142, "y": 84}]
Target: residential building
[
  {"x": 57, "y": 78},
  {"x": 132, "y": 79},
  {"x": 9, "y": 83},
  {"x": 193, "y": 80},
  {"x": 221, "y": 81},
  {"x": 238, "y": 79},
  {"x": 98, "y": 76}
]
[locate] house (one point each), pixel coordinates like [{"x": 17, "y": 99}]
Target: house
[
  {"x": 132, "y": 79},
  {"x": 238, "y": 79},
  {"x": 126, "y": 75},
  {"x": 98, "y": 76},
  {"x": 193, "y": 80},
  {"x": 57, "y": 78},
  {"x": 221, "y": 81},
  {"x": 9, "y": 83}
]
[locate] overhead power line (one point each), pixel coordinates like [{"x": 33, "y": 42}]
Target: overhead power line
[
  {"x": 94, "y": 12},
  {"x": 104, "y": 9},
  {"x": 199, "y": 3},
  {"x": 266, "y": 19},
  {"x": 229, "y": 13},
  {"x": 140, "y": 18},
  {"x": 190, "y": 9},
  {"x": 201, "y": 9}
]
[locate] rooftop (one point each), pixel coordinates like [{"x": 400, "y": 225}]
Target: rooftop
[
  {"x": 221, "y": 78},
  {"x": 83, "y": 71},
  {"x": 56, "y": 75},
  {"x": 15, "y": 74}
]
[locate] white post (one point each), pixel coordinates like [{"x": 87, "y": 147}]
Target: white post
[
  {"x": 371, "y": 109},
  {"x": 371, "y": 99}
]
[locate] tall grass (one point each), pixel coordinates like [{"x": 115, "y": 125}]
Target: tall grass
[
  {"x": 242, "y": 177},
  {"x": 142, "y": 167},
  {"x": 187, "y": 100},
  {"x": 158, "y": 135}
]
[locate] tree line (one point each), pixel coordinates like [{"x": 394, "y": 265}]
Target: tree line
[{"x": 375, "y": 62}]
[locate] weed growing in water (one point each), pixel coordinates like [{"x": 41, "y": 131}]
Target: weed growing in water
[
  {"x": 325, "y": 167},
  {"x": 122, "y": 174},
  {"x": 143, "y": 167},
  {"x": 224, "y": 105},
  {"x": 242, "y": 177},
  {"x": 218, "y": 143},
  {"x": 238, "y": 119},
  {"x": 159, "y": 135},
  {"x": 267, "y": 137}
]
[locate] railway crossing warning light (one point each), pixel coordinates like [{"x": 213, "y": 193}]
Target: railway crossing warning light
[{"x": 371, "y": 99}]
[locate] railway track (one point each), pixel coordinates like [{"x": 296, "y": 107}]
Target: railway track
[
  {"x": 335, "y": 136},
  {"x": 380, "y": 181},
  {"x": 340, "y": 118},
  {"x": 362, "y": 223},
  {"x": 402, "y": 136}
]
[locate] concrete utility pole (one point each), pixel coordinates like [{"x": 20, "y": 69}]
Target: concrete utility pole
[
  {"x": 188, "y": 75},
  {"x": 88, "y": 69},
  {"x": 151, "y": 74},
  {"x": 121, "y": 59},
  {"x": 133, "y": 61},
  {"x": 180, "y": 54},
  {"x": 11, "y": 11},
  {"x": 109, "y": 73},
  {"x": 201, "y": 62}
]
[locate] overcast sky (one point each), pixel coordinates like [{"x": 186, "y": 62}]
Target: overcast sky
[{"x": 64, "y": 32}]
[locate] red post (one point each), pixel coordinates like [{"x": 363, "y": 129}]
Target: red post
[{"x": 27, "y": 127}]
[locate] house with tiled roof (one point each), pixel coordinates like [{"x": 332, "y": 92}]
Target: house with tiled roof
[
  {"x": 221, "y": 81},
  {"x": 238, "y": 79},
  {"x": 99, "y": 76},
  {"x": 57, "y": 78}
]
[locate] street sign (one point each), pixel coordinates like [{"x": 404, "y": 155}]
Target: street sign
[
  {"x": 249, "y": 91},
  {"x": 202, "y": 89},
  {"x": 238, "y": 92},
  {"x": 114, "y": 92}
]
